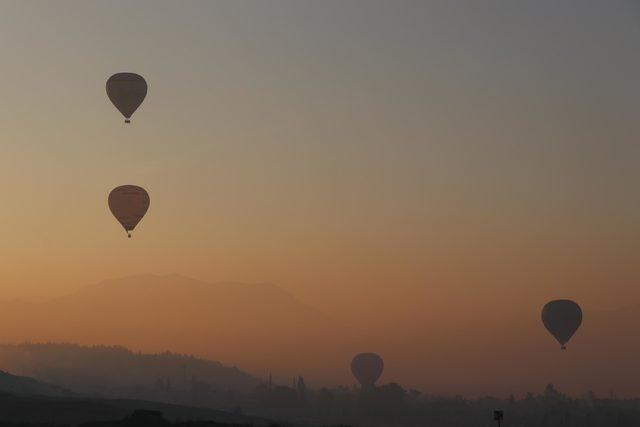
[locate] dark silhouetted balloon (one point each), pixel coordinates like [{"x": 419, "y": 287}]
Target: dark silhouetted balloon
[
  {"x": 367, "y": 368},
  {"x": 129, "y": 203},
  {"x": 562, "y": 318},
  {"x": 126, "y": 91}
]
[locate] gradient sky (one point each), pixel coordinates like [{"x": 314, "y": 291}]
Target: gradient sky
[{"x": 388, "y": 162}]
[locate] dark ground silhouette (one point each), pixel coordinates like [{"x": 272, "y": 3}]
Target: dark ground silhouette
[
  {"x": 391, "y": 405},
  {"x": 272, "y": 404},
  {"x": 139, "y": 418},
  {"x": 113, "y": 381}
]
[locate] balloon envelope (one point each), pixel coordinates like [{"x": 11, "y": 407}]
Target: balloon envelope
[
  {"x": 126, "y": 91},
  {"x": 129, "y": 203},
  {"x": 562, "y": 318},
  {"x": 367, "y": 368}
]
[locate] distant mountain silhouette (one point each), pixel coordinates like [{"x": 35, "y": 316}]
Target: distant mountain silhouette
[
  {"x": 116, "y": 371},
  {"x": 19, "y": 385},
  {"x": 252, "y": 325}
]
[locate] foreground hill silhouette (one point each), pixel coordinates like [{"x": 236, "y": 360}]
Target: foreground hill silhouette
[
  {"x": 26, "y": 400},
  {"x": 21, "y": 385},
  {"x": 116, "y": 371},
  {"x": 251, "y": 325},
  {"x": 20, "y": 409}
]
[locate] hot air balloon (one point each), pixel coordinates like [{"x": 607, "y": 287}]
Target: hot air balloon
[
  {"x": 367, "y": 368},
  {"x": 129, "y": 203},
  {"x": 126, "y": 91},
  {"x": 562, "y": 318}
]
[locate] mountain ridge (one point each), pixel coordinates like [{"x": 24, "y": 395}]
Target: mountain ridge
[{"x": 248, "y": 325}]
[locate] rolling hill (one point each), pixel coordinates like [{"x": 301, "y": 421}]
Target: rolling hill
[{"x": 117, "y": 371}]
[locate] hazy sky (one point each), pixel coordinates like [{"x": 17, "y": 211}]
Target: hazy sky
[{"x": 386, "y": 161}]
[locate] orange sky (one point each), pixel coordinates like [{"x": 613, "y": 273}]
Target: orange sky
[{"x": 390, "y": 165}]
